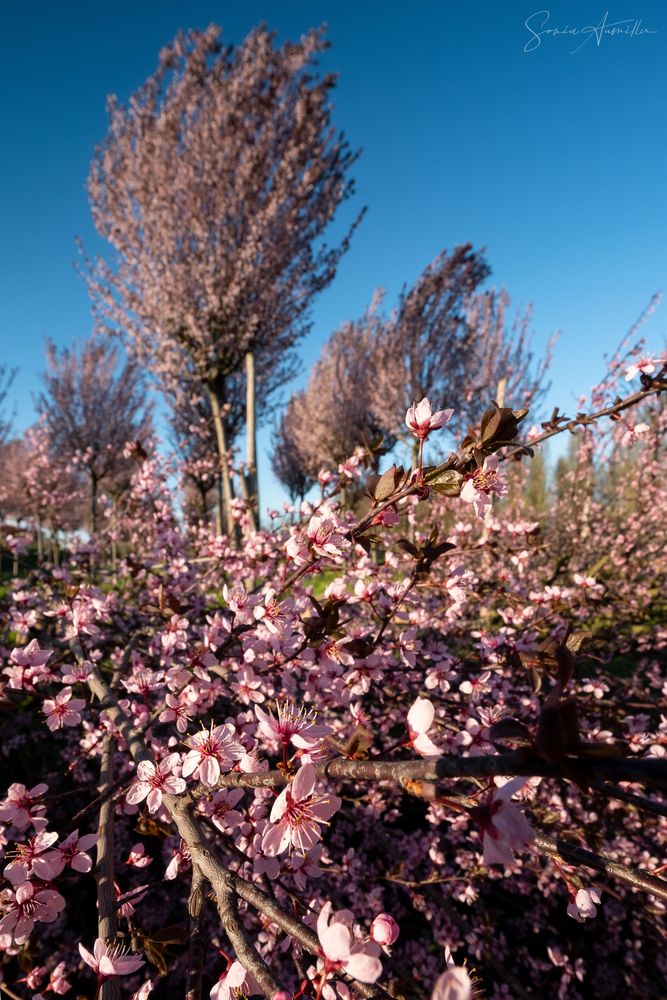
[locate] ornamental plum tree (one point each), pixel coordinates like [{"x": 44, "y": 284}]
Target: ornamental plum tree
[{"x": 215, "y": 186}]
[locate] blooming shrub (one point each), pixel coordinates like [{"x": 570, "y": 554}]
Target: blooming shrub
[{"x": 411, "y": 755}]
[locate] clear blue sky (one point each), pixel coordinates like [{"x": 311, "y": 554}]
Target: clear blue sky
[{"x": 553, "y": 159}]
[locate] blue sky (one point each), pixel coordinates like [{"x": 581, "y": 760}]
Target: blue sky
[{"x": 553, "y": 159}]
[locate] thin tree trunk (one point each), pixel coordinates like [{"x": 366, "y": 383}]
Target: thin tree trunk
[
  {"x": 40, "y": 542},
  {"x": 93, "y": 505},
  {"x": 251, "y": 436},
  {"x": 228, "y": 520}
]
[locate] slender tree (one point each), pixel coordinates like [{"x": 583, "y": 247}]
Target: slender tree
[
  {"x": 453, "y": 343},
  {"x": 92, "y": 410},
  {"x": 214, "y": 186},
  {"x": 288, "y": 464},
  {"x": 333, "y": 416}
]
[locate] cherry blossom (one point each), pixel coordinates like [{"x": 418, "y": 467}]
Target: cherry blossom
[
  {"x": 296, "y": 727},
  {"x": 154, "y": 781},
  {"x": 298, "y": 813},
  {"x": 63, "y": 710},
  {"x": 211, "y": 752},
  {"x": 420, "y": 720},
  {"x": 480, "y": 486},
  {"x": 504, "y": 827},
  {"x": 110, "y": 960},
  {"x": 341, "y": 952},
  {"x": 29, "y": 904},
  {"x": 644, "y": 366},
  {"x": 582, "y": 904},
  {"x": 420, "y": 421}
]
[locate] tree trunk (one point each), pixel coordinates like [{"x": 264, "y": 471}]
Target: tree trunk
[
  {"x": 40, "y": 542},
  {"x": 93, "y": 504},
  {"x": 251, "y": 436},
  {"x": 226, "y": 513}
]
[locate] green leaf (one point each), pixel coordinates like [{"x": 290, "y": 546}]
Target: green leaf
[{"x": 448, "y": 482}]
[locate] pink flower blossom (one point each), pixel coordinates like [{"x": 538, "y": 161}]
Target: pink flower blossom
[
  {"x": 645, "y": 366},
  {"x": 27, "y": 666},
  {"x": 297, "y": 728},
  {"x": 582, "y": 904},
  {"x": 154, "y": 781},
  {"x": 454, "y": 984},
  {"x": 35, "y": 858},
  {"x": 325, "y": 533},
  {"x": 234, "y": 982},
  {"x": 297, "y": 814},
  {"x": 110, "y": 960},
  {"x": 30, "y": 904},
  {"x": 73, "y": 851},
  {"x": 58, "y": 982},
  {"x": 341, "y": 952},
  {"x": 420, "y": 720},
  {"x": 212, "y": 751},
  {"x": 63, "y": 710},
  {"x": 138, "y": 857},
  {"x": 480, "y": 486},
  {"x": 20, "y": 808},
  {"x": 384, "y": 929},
  {"x": 420, "y": 421},
  {"x": 504, "y": 827}
]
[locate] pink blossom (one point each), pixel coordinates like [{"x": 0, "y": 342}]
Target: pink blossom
[
  {"x": 298, "y": 728},
  {"x": 645, "y": 366},
  {"x": 233, "y": 982},
  {"x": 271, "y": 613},
  {"x": 341, "y": 952},
  {"x": 110, "y": 960},
  {"x": 20, "y": 808},
  {"x": 384, "y": 929},
  {"x": 420, "y": 720},
  {"x": 138, "y": 857},
  {"x": 63, "y": 710},
  {"x": 297, "y": 814},
  {"x": 454, "y": 984},
  {"x": 28, "y": 666},
  {"x": 73, "y": 851},
  {"x": 36, "y": 858},
  {"x": 504, "y": 827},
  {"x": 420, "y": 421},
  {"x": 325, "y": 533},
  {"x": 29, "y": 905},
  {"x": 582, "y": 904},
  {"x": 154, "y": 781},
  {"x": 212, "y": 751},
  {"x": 480, "y": 486},
  {"x": 58, "y": 982}
]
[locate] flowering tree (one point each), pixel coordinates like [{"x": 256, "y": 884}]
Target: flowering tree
[
  {"x": 448, "y": 340},
  {"x": 214, "y": 186},
  {"x": 333, "y": 415},
  {"x": 92, "y": 410}
]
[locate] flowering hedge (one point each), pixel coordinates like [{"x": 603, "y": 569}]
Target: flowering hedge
[{"x": 411, "y": 750}]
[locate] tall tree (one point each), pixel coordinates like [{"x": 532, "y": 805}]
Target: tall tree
[
  {"x": 93, "y": 409},
  {"x": 333, "y": 416},
  {"x": 451, "y": 342},
  {"x": 215, "y": 185}
]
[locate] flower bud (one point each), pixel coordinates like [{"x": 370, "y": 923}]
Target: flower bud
[{"x": 384, "y": 929}]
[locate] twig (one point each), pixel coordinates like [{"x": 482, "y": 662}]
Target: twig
[
  {"x": 196, "y": 943},
  {"x": 573, "y": 854}
]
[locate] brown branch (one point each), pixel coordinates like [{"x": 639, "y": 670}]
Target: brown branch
[
  {"x": 107, "y": 925},
  {"x": 193, "y": 975},
  {"x": 519, "y": 763},
  {"x": 573, "y": 854}
]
